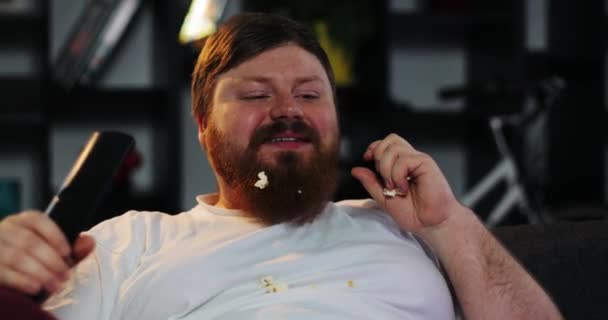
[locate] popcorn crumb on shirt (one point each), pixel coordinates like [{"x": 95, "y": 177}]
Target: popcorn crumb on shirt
[
  {"x": 266, "y": 281},
  {"x": 272, "y": 286},
  {"x": 279, "y": 287}
]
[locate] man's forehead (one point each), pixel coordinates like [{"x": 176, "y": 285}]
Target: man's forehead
[{"x": 288, "y": 60}]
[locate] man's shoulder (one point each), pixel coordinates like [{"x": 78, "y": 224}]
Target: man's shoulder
[
  {"x": 359, "y": 208},
  {"x": 130, "y": 219},
  {"x": 140, "y": 228},
  {"x": 370, "y": 211},
  {"x": 367, "y": 210},
  {"x": 359, "y": 205}
]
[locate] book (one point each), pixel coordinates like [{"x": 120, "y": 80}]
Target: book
[{"x": 94, "y": 36}]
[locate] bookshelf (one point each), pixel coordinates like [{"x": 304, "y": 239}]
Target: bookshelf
[
  {"x": 23, "y": 129},
  {"x": 43, "y": 123}
]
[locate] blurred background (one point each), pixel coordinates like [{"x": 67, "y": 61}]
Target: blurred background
[{"x": 434, "y": 71}]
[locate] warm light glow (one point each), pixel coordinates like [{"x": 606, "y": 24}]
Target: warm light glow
[{"x": 201, "y": 19}]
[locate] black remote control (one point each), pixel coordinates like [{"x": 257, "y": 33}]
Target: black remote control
[{"x": 88, "y": 181}]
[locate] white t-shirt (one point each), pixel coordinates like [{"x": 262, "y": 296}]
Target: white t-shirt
[{"x": 352, "y": 262}]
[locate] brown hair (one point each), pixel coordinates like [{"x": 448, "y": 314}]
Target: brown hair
[{"x": 241, "y": 38}]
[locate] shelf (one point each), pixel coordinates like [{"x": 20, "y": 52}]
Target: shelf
[
  {"x": 421, "y": 125},
  {"x": 21, "y": 120},
  {"x": 428, "y": 27},
  {"x": 20, "y": 95},
  {"x": 20, "y": 82},
  {"x": 33, "y": 16},
  {"x": 446, "y": 20},
  {"x": 22, "y": 131},
  {"x": 20, "y": 27},
  {"x": 92, "y": 103}
]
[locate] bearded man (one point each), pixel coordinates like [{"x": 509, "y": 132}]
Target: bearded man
[{"x": 270, "y": 244}]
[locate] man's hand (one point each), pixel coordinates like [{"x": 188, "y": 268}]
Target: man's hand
[
  {"x": 426, "y": 198},
  {"x": 488, "y": 282},
  {"x": 34, "y": 253}
]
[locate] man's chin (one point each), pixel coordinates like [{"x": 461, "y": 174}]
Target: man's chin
[
  {"x": 278, "y": 158},
  {"x": 299, "y": 185}
]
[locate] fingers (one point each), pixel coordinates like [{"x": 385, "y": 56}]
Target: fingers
[
  {"x": 424, "y": 196},
  {"x": 83, "y": 246},
  {"x": 385, "y": 162},
  {"x": 369, "y": 180},
  {"x": 378, "y": 146},
  {"x": 408, "y": 168},
  {"x": 369, "y": 153},
  {"x": 32, "y": 253},
  {"x": 19, "y": 282},
  {"x": 400, "y": 174},
  {"x": 46, "y": 229},
  {"x": 393, "y": 157},
  {"x": 22, "y": 271},
  {"x": 29, "y": 242}
]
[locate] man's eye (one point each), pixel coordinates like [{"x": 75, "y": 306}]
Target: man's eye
[
  {"x": 255, "y": 97},
  {"x": 308, "y": 96}
]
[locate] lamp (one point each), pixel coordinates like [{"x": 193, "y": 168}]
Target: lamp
[{"x": 201, "y": 19}]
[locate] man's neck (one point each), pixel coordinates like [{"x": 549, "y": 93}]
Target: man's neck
[
  {"x": 228, "y": 200},
  {"x": 275, "y": 207}
]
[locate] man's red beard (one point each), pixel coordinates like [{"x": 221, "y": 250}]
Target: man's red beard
[{"x": 298, "y": 188}]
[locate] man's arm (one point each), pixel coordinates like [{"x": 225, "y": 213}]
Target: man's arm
[
  {"x": 486, "y": 278},
  {"x": 488, "y": 282}
]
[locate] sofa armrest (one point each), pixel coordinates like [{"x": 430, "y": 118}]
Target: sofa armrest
[{"x": 569, "y": 259}]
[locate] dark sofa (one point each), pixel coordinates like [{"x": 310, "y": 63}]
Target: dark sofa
[{"x": 569, "y": 259}]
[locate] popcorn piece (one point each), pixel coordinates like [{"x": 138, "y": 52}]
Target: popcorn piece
[
  {"x": 263, "y": 180},
  {"x": 266, "y": 281},
  {"x": 391, "y": 193},
  {"x": 271, "y": 286},
  {"x": 279, "y": 287}
]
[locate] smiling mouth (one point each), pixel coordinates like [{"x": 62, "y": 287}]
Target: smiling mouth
[{"x": 287, "y": 141}]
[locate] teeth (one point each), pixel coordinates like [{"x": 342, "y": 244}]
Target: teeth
[{"x": 284, "y": 140}]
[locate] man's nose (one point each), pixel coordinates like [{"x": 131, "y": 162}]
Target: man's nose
[{"x": 286, "y": 107}]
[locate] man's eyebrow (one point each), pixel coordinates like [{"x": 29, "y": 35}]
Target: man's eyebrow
[
  {"x": 308, "y": 79},
  {"x": 263, "y": 79},
  {"x": 253, "y": 78}
]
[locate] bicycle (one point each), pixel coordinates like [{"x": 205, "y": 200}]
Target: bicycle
[{"x": 539, "y": 99}]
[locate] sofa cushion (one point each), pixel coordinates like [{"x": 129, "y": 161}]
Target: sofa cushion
[{"x": 569, "y": 259}]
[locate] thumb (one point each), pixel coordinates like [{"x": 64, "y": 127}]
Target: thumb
[
  {"x": 370, "y": 182},
  {"x": 83, "y": 246}
]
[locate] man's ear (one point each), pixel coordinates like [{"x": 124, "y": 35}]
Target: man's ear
[{"x": 201, "y": 130}]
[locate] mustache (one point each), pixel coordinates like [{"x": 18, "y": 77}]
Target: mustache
[{"x": 265, "y": 133}]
